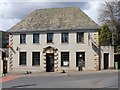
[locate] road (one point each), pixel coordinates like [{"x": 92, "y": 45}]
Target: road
[{"x": 96, "y": 80}]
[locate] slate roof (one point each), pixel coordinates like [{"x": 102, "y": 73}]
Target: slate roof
[{"x": 55, "y": 19}]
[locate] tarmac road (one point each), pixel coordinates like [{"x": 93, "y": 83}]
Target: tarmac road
[{"x": 95, "y": 80}]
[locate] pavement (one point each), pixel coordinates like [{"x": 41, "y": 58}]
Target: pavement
[
  {"x": 60, "y": 73},
  {"x": 16, "y": 75},
  {"x": 8, "y": 78}
]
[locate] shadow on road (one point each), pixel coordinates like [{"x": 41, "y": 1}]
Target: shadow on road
[
  {"x": 23, "y": 85},
  {"x": 116, "y": 86}
]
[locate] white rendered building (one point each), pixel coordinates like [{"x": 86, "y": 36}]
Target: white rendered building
[{"x": 54, "y": 39}]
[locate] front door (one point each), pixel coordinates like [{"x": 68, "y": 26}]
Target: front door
[
  {"x": 106, "y": 60},
  {"x": 50, "y": 62}
]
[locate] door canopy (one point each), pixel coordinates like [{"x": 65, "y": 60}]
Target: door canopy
[{"x": 49, "y": 49}]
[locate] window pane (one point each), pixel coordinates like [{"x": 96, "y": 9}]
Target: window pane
[
  {"x": 64, "y": 58},
  {"x": 22, "y": 38},
  {"x": 36, "y": 58},
  {"x": 49, "y": 37},
  {"x": 80, "y": 57},
  {"x": 64, "y": 37},
  {"x": 80, "y": 37},
  {"x": 22, "y": 58},
  {"x": 36, "y": 38}
]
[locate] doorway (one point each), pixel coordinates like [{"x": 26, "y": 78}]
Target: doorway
[
  {"x": 50, "y": 62},
  {"x": 117, "y": 60},
  {"x": 106, "y": 60}
]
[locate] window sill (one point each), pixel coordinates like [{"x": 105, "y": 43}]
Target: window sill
[
  {"x": 50, "y": 43},
  {"x": 23, "y": 65},
  {"x": 80, "y": 42},
  {"x": 36, "y": 43},
  {"x": 65, "y": 66},
  {"x": 35, "y": 65},
  {"x": 65, "y": 43},
  {"x": 22, "y": 43}
]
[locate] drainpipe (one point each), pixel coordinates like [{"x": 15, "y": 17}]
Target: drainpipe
[{"x": 99, "y": 52}]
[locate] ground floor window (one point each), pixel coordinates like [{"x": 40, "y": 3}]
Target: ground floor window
[
  {"x": 22, "y": 58},
  {"x": 65, "y": 59},
  {"x": 35, "y": 58},
  {"x": 80, "y": 59}
]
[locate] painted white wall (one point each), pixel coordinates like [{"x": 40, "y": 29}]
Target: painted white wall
[
  {"x": 72, "y": 47},
  {"x": 110, "y": 51}
]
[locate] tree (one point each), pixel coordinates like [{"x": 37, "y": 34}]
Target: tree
[
  {"x": 118, "y": 49},
  {"x": 105, "y": 35},
  {"x": 110, "y": 14}
]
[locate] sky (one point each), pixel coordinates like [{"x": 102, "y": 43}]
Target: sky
[{"x": 13, "y": 11}]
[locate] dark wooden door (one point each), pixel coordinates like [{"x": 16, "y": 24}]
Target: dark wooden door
[
  {"x": 50, "y": 62},
  {"x": 106, "y": 60}
]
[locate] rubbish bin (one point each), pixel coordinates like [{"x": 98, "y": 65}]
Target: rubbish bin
[{"x": 116, "y": 65}]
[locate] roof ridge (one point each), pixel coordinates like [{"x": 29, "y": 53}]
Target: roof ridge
[{"x": 58, "y": 8}]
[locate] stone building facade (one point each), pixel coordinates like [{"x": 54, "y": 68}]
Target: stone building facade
[{"x": 54, "y": 39}]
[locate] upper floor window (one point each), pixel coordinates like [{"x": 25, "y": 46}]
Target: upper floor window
[
  {"x": 49, "y": 37},
  {"x": 22, "y": 38},
  {"x": 36, "y": 38},
  {"x": 80, "y": 36},
  {"x": 64, "y": 37}
]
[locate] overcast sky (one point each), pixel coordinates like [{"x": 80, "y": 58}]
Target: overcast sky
[{"x": 11, "y": 12}]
